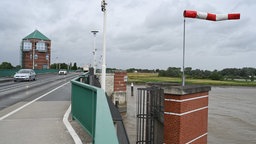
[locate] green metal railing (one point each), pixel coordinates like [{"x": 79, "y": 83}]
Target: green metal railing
[
  {"x": 11, "y": 72},
  {"x": 90, "y": 108}
]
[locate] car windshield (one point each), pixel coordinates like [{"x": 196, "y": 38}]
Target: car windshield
[{"x": 24, "y": 71}]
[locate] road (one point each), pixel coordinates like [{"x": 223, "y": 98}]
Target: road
[
  {"x": 32, "y": 112},
  {"x": 13, "y": 92}
]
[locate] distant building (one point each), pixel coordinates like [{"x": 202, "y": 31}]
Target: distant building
[{"x": 37, "y": 46}]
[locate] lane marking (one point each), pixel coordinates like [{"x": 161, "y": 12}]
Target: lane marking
[
  {"x": 71, "y": 131},
  {"x": 27, "y": 104}
]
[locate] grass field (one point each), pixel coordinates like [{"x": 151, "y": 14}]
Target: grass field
[{"x": 153, "y": 77}]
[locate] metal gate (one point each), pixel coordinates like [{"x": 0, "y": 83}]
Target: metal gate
[{"x": 149, "y": 110}]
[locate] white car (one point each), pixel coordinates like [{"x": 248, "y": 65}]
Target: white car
[
  {"x": 25, "y": 75},
  {"x": 63, "y": 72}
]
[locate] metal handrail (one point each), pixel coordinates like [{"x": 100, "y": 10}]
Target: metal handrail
[{"x": 90, "y": 108}]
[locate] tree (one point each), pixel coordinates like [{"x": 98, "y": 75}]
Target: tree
[
  {"x": 18, "y": 67},
  {"x": 63, "y": 66},
  {"x": 231, "y": 73},
  {"x": 162, "y": 73},
  {"x": 188, "y": 70},
  {"x": 173, "y": 72},
  {"x": 216, "y": 75},
  {"x": 197, "y": 73},
  {"x": 54, "y": 66},
  {"x": 74, "y": 67},
  {"x": 131, "y": 70},
  {"x": 6, "y": 65}
]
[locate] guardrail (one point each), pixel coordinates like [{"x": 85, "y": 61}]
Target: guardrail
[{"x": 90, "y": 108}]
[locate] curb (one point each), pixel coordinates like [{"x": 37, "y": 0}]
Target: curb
[{"x": 70, "y": 129}]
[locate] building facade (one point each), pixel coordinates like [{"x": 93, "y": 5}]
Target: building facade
[{"x": 36, "y": 51}]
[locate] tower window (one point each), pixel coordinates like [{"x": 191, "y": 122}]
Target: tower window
[
  {"x": 40, "y": 46},
  {"x": 27, "y": 46}
]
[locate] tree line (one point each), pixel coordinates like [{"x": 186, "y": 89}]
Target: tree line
[
  {"x": 246, "y": 73},
  {"x": 7, "y": 65},
  {"x": 64, "y": 66}
]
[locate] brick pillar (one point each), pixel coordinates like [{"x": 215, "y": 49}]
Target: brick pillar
[
  {"x": 186, "y": 114},
  {"x": 119, "y": 81},
  {"x": 119, "y": 94}
]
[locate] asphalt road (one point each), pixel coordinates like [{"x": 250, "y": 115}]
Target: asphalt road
[
  {"x": 13, "y": 92},
  {"x": 32, "y": 112}
]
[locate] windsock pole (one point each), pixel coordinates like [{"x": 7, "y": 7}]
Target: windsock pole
[
  {"x": 210, "y": 16},
  {"x": 205, "y": 16},
  {"x": 183, "y": 63}
]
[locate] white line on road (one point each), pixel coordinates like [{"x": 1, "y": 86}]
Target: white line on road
[
  {"x": 27, "y": 104},
  {"x": 70, "y": 128},
  {"x": 65, "y": 118}
]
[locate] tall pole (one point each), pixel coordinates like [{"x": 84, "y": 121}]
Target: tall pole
[
  {"x": 103, "y": 73},
  {"x": 94, "y": 51},
  {"x": 183, "y": 65},
  {"x": 205, "y": 16},
  {"x": 33, "y": 58}
]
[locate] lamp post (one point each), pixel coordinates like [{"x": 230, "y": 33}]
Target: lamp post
[
  {"x": 94, "y": 51},
  {"x": 103, "y": 72},
  {"x": 56, "y": 63}
]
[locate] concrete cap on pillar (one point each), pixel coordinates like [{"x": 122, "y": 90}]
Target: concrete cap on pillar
[
  {"x": 188, "y": 89},
  {"x": 177, "y": 89}
]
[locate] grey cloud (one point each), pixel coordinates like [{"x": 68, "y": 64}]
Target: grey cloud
[{"x": 139, "y": 33}]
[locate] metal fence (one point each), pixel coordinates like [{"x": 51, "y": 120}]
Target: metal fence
[{"x": 150, "y": 115}]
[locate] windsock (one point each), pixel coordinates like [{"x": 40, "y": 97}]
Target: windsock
[{"x": 210, "y": 16}]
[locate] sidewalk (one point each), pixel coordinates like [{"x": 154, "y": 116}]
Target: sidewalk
[{"x": 40, "y": 122}]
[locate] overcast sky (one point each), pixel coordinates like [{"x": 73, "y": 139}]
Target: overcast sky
[{"x": 140, "y": 33}]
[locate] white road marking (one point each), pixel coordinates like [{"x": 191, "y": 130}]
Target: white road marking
[
  {"x": 29, "y": 103},
  {"x": 70, "y": 128},
  {"x": 65, "y": 118}
]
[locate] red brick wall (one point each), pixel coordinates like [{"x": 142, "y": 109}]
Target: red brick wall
[
  {"x": 28, "y": 63},
  {"x": 119, "y": 83},
  {"x": 186, "y": 118}
]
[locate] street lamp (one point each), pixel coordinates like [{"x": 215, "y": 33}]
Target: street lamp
[
  {"x": 103, "y": 72},
  {"x": 94, "y": 51}
]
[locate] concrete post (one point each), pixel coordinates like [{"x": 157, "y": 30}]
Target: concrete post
[{"x": 131, "y": 89}]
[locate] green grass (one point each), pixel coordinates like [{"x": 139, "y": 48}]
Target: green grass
[{"x": 153, "y": 77}]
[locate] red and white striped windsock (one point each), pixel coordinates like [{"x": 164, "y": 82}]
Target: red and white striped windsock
[{"x": 210, "y": 16}]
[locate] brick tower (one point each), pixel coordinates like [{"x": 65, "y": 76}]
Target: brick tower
[{"x": 36, "y": 51}]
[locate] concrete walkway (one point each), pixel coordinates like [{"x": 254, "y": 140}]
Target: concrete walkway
[{"x": 40, "y": 122}]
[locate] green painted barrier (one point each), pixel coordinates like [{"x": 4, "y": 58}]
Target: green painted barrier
[
  {"x": 8, "y": 72},
  {"x": 90, "y": 108},
  {"x": 11, "y": 72}
]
